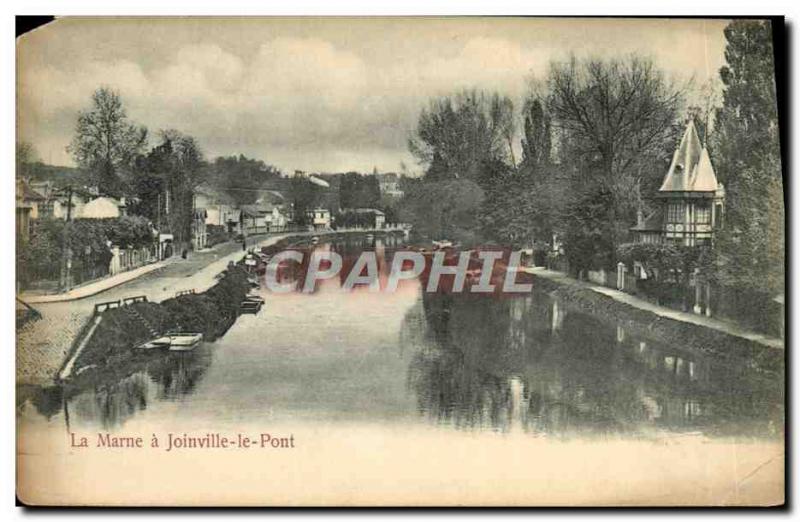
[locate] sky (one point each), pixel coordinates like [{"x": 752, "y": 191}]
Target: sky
[{"x": 315, "y": 94}]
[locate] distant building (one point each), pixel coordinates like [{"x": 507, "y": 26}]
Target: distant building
[
  {"x": 27, "y": 208},
  {"x": 263, "y": 217},
  {"x": 59, "y": 202},
  {"x": 690, "y": 201},
  {"x": 389, "y": 184},
  {"x": 371, "y": 217},
  {"x": 220, "y": 209},
  {"x": 100, "y": 208},
  {"x": 319, "y": 218}
]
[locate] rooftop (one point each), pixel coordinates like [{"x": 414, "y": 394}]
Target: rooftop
[{"x": 691, "y": 169}]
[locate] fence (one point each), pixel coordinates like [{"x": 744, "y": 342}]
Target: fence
[
  {"x": 134, "y": 258},
  {"x": 253, "y": 229}
]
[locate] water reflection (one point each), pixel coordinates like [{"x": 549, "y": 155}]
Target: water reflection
[
  {"x": 108, "y": 401},
  {"x": 528, "y": 363},
  {"x": 525, "y": 364}
]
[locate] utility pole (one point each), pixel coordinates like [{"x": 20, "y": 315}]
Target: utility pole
[{"x": 158, "y": 227}]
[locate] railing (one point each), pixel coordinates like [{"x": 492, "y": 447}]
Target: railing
[
  {"x": 134, "y": 258},
  {"x": 107, "y": 305}
]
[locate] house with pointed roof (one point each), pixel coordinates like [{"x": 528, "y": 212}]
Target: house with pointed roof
[{"x": 690, "y": 202}]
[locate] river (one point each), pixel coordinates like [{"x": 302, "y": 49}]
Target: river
[{"x": 524, "y": 364}]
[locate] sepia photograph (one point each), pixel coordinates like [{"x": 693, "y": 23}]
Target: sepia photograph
[{"x": 400, "y": 262}]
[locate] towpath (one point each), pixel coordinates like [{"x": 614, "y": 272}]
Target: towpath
[
  {"x": 662, "y": 311},
  {"x": 43, "y": 344}
]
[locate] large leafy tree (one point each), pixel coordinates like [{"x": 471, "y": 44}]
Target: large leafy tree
[
  {"x": 164, "y": 184},
  {"x": 447, "y": 209},
  {"x": 106, "y": 143},
  {"x": 459, "y": 135},
  {"x": 614, "y": 119},
  {"x": 747, "y": 160}
]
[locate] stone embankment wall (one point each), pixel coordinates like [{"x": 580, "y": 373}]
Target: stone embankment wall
[
  {"x": 113, "y": 345},
  {"x": 689, "y": 336}
]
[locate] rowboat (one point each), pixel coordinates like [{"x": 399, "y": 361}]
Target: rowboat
[
  {"x": 250, "y": 307},
  {"x": 161, "y": 342},
  {"x": 183, "y": 341}
]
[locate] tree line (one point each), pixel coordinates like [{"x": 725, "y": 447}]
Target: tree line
[{"x": 596, "y": 139}]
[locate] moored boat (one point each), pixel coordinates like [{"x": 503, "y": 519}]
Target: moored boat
[
  {"x": 183, "y": 341},
  {"x": 250, "y": 307},
  {"x": 160, "y": 342}
]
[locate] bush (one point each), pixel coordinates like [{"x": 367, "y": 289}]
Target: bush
[
  {"x": 217, "y": 234},
  {"x": 40, "y": 257}
]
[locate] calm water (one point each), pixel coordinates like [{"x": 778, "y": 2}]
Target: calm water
[{"x": 462, "y": 361}]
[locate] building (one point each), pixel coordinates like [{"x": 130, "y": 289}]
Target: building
[
  {"x": 59, "y": 202},
  {"x": 199, "y": 229},
  {"x": 389, "y": 184},
  {"x": 100, "y": 208},
  {"x": 368, "y": 217},
  {"x": 220, "y": 209},
  {"x": 319, "y": 217},
  {"x": 690, "y": 203},
  {"x": 263, "y": 217},
  {"x": 27, "y": 208}
]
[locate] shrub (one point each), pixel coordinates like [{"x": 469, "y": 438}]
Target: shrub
[{"x": 217, "y": 234}]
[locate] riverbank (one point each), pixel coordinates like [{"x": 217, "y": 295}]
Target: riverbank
[
  {"x": 43, "y": 345},
  {"x": 703, "y": 334},
  {"x": 113, "y": 345}
]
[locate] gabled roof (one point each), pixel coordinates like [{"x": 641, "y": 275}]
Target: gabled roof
[
  {"x": 691, "y": 169},
  {"x": 28, "y": 194},
  {"x": 250, "y": 211},
  {"x": 258, "y": 209}
]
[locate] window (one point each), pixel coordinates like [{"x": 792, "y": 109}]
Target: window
[
  {"x": 702, "y": 213},
  {"x": 46, "y": 209},
  {"x": 675, "y": 212}
]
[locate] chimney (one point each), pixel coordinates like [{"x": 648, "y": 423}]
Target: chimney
[{"x": 639, "y": 218}]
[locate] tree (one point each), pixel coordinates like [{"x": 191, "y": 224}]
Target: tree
[
  {"x": 165, "y": 181},
  {"x": 747, "y": 160},
  {"x": 26, "y": 155},
  {"x": 444, "y": 209},
  {"x": 614, "y": 118},
  {"x": 536, "y": 144},
  {"x": 106, "y": 143},
  {"x": 460, "y": 134},
  {"x": 587, "y": 239},
  {"x": 359, "y": 191},
  {"x": 242, "y": 178},
  {"x": 526, "y": 211},
  {"x": 305, "y": 196}
]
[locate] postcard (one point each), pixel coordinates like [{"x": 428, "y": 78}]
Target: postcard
[{"x": 431, "y": 261}]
